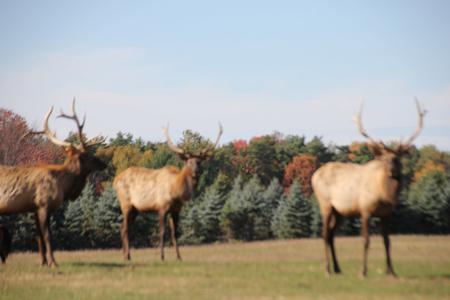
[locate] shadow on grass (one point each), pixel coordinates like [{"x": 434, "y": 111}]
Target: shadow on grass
[
  {"x": 429, "y": 276},
  {"x": 108, "y": 265}
]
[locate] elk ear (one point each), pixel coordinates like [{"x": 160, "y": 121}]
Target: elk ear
[
  {"x": 403, "y": 149},
  {"x": 375, "y": 148},
  {"x": 183, "y": 156},
  {"x": 70, "y": 150}
]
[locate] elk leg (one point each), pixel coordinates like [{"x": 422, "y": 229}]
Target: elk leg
[
  {"x": 44, "y": 223},
  {"x": 40, "y": 241},
  {"x": 335, "y": 222},
  {"x": 162, "y": 225},
  {"x": 124, "y": 234},
  {"x": 365, "y": 234},
  {"x": 387, "y": 246},
  {"x": 326, "y": 218},
  {"x": 173, "y": 223}
]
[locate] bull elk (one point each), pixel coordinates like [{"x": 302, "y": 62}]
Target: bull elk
[
  {"x": 162, "y": 190},
  {"x": 43, "y": 188},
  {"x": 371, "y": 189}
]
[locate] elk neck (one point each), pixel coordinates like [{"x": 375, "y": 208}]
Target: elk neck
[
  {"x": 391, "y": 178},
  {"x": 71, "y": 177},
  {"x": 187, "y": 178}
]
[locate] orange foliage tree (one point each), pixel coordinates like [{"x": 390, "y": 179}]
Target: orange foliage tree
[{"x": 301, "y": 168}]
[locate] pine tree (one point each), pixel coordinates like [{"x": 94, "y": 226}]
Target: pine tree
[
  {"x": 293, "y": 216},
  {"x": 213, "y": 203},
  {"x": 107, "y": 219},
  {"x": 72, "y": 227},
  {"x": 429, "y": 198},
  {"x": 233, "y": 214},
  {"x": 191, "y": 225},
  {"x": 79, "y": 221},
  {"x": 316, "y": 218},
  {"x": 271, "y": 197},
  {"x": 252, "y": 197}
]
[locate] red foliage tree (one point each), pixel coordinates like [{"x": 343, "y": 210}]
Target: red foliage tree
[
  {"x": 240, "y": 145},
  {"x": 301, "y": 168},
  {"x": 15, "y": 150},
  {"x": 240, "y": 159}
]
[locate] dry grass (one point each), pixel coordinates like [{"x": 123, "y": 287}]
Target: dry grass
[{"x": 262, "y": 270}]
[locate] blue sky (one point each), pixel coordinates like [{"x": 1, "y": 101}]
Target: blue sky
[{"x": 298, "y": 67}]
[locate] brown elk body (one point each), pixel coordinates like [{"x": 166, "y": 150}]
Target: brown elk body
[
  {"x": 162, "y": 190},
  {"x": 368, "y": 190},
  {"x": 43, "y": 188}
]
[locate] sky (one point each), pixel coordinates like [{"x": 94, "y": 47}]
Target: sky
[{"x": 295, "y": 67}]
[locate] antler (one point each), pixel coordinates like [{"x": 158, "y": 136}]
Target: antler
[
  {"x": 50, "y": 135},
  {"x": 421, "y": 112},
  {"x": 170, "y": 143},
  {"x": 95, "y": 141},
  {"x": 74, "y": 117},
  {"x": 209, "y": 149},
  {"x": 357, "y": 120}
]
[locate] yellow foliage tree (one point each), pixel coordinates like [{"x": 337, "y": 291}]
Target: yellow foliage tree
[{"x": 128, "y": 156}]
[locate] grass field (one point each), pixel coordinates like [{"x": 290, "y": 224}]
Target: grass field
[{"x": 291, "y": 269}]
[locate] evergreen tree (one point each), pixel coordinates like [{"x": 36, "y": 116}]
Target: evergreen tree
[
  {"x": 191, "y": 225},
  {"x": 73, "y": 223},
  {"x": 57, "y": 219},
  {"x": 271, "y": 198},
  {"x": 233, "y": 214},
  {"x": 213, "y": 203},
  {"x": 293, "y": 217},
  {"x": 107, "y": 217},
  {"x": 79, "y": 224},
  {"x": 429, "y": 198},
  {"x": 316, "y": 219},
  {"x": 254, "y": 220}
]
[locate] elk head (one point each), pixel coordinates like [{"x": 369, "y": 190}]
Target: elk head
[
  {"x": 192, "y": 160},
  {"x": 77, "y": 154},
  {"x": 391, "y": 156}
]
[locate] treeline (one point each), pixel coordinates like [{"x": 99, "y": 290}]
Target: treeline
[{"x": 249, "y": 190}]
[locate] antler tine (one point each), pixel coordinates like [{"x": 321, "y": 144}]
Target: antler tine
[
  {"x": 74, "y": 117},
  {"x": 358, "y": 122},
  {"x": 51, "y": 136},
  {"x": 169, "y": 141},
  {"x": 421, "y": 112},
  {"x": 205, "y": 151},
  {"x": 218, "y": 137},
  {"x": 95, "y": 141}
]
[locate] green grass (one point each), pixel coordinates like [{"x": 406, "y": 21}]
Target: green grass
[{"x": 291, "y": 269}]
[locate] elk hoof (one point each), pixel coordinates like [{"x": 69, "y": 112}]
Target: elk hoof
[{"x": 391, "y": 273}]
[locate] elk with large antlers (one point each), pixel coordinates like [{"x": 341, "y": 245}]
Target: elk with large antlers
[
  {"x": 162, "y": 190},
  {"x": 43, "y": 188},
  {"x": 371, "y": 189}
]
